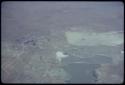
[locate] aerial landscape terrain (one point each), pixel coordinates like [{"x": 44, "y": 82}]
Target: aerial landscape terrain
[{"x": 62, "y": 42}]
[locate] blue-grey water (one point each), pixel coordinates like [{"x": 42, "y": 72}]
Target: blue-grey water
[{"x": 81, "y": 73}]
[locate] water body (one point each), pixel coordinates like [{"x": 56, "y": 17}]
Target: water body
[
  {"x": 81, "y": 72},
  {"x": 82, "y": 67}
]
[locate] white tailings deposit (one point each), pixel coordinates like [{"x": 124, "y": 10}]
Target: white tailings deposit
[
  {"x": 89, "y": 38},
  {"x": 60, "y": 55}
]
